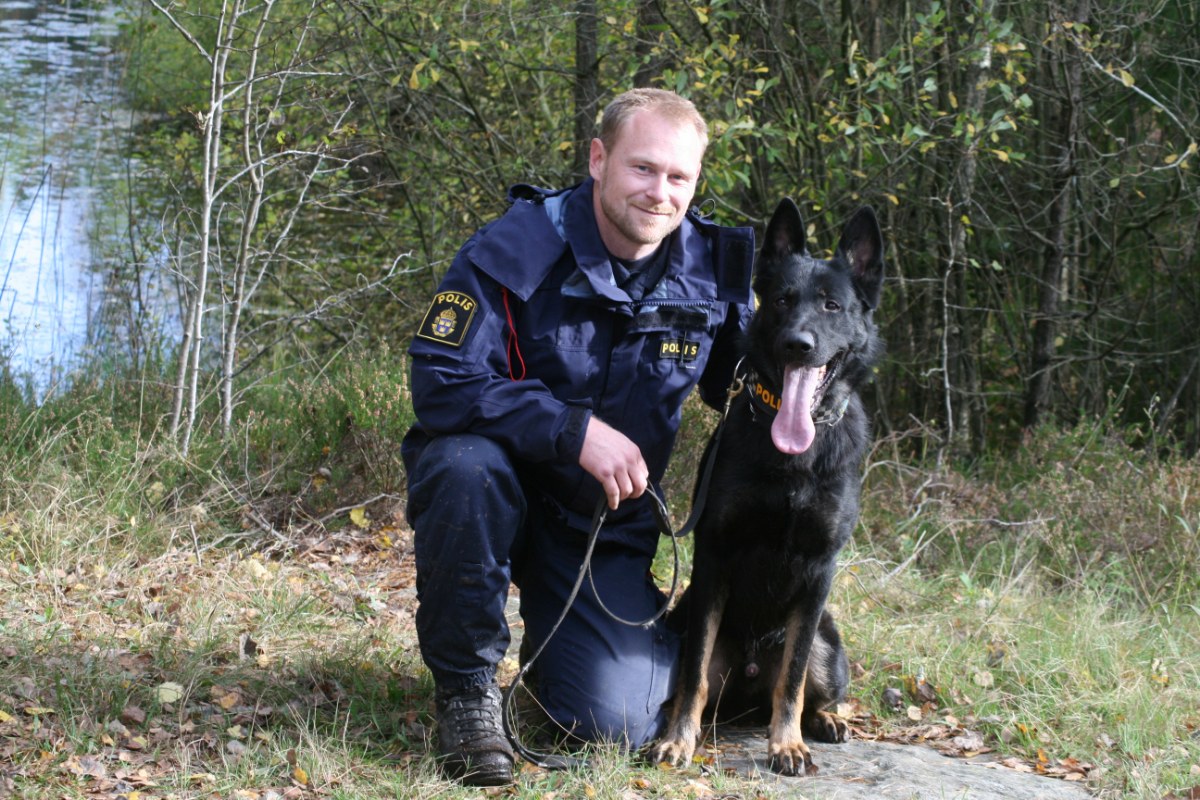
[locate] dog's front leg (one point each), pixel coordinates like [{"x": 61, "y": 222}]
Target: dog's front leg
[
  {"x": 691, "y": 689},
  {"x": 786, "y": 750}
]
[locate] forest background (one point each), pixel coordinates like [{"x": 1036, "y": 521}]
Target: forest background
[{"x": 318, "y": 162}]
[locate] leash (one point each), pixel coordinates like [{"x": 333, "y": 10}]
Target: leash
[{"x": 557, "y": 761}]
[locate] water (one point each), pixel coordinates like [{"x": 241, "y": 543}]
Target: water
[{"x": 62, "y": 129}]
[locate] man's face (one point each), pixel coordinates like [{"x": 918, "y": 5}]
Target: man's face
[{"x": 644, "y": 183}]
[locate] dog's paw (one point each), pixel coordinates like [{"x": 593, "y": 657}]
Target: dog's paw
[
  {"x": 826, "y": 727},
  {"x": 676, "y": 752},
  {"x": 792, "y": 759}
]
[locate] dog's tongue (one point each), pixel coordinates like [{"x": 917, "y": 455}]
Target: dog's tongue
[{"x": 793, "y": 430}]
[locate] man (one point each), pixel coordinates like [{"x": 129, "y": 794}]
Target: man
[{"x": 547, "y": 376}]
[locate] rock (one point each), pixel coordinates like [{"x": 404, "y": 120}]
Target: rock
[{"x": 863, "y": 770}]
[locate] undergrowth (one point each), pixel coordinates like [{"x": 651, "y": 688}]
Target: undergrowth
[{"x": 239, "y": 622}]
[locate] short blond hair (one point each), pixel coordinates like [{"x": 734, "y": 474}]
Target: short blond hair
[{"x": 670, "y": 105}]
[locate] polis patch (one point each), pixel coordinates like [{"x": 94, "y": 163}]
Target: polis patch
[
  {"x": 680, "y": 349},
  {"x": 448, "y": 318}
]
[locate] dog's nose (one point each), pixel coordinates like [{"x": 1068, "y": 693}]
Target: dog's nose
[{"x": 801, "y": 343}]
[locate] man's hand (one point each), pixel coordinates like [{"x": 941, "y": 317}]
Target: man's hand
[{"x": 613, "y": 459}]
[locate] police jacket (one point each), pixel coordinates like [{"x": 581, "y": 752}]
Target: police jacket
[{"x": 529, "y": 335}]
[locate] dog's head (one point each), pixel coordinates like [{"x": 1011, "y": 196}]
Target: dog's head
[{"x": 813, "y": 335}]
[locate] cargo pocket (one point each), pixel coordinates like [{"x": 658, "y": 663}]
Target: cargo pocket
[{"x": 471, "y": 585}]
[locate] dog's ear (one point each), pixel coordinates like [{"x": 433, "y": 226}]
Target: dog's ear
[
  {"x": 785, "y": 231},
  {"x": 862, "y": 248}
]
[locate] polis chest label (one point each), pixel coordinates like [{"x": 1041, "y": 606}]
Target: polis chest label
[{"x": 679, "y": 349}]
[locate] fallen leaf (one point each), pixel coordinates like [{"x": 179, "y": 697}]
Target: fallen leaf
[
  {"x": 968, "y": 742},
  {"x": 86, "y": 766},
  {"x": 132, "y": 715},
  {"x": 169, "y": 692},
  {"x": 247, "y": 647}
]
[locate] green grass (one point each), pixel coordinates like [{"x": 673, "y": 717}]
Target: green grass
[{"x": 1047, "y": 603}]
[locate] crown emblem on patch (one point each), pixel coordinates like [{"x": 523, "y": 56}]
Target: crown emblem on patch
[{"x": 443, "y": 324}]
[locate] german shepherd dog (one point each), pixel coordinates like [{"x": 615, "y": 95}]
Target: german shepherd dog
[{"x": 783, "y": 499}]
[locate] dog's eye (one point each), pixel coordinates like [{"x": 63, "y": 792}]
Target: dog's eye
[
  {"x": 782, "y": 301},
  {"x": 832, "y": 305}
]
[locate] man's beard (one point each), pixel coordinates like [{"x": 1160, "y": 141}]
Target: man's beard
[{"x": 622, "y": 218}]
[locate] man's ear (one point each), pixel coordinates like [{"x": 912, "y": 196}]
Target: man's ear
[{"x": 596, "y": 159}]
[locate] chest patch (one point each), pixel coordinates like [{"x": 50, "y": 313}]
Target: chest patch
[
  {"x": 448, "y": 318},
  {"x": 679, "y": 349}
]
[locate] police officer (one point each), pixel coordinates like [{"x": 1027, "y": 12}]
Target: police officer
[{"x": 548, "y": 375}]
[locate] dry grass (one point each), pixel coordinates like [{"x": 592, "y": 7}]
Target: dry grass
[{"x": 167, "y": 632}]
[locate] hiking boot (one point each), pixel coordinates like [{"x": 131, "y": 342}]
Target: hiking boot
[{"x": 472, "y": 747}]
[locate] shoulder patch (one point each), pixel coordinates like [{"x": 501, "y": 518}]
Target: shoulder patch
[{"x": 448, "y": 318}]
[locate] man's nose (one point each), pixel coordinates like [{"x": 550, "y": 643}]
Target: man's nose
[{"x": 657, "y": 188}]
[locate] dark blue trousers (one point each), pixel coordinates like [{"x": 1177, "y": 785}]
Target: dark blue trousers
[{"x": 478, "y": 529}]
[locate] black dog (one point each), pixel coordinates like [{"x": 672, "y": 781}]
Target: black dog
[{"x": 783, "y": 499}]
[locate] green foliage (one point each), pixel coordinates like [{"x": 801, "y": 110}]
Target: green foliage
[
  {"x": 359, "y": 401},
  {"x": 164, "y": 76},
  {"x": 1081, "y": 507}
]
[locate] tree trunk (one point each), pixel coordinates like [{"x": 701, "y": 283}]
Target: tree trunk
[
  {"x": 587, "y": 91},
  {"x": 959, "y": 371},
  {"x": 1045, "y": 326}
]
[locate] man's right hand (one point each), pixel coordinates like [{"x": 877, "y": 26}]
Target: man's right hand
[{"x": 612, "y": 458}]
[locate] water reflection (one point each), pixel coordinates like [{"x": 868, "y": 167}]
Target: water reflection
[{"x": 60, "y": 173}]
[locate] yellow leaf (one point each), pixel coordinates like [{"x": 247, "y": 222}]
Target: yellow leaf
[
  {"x": 300, "y": 776},
  {"x": 1001, "y": 154},
  {"x": 255, "y": 569},
  {"x": 229, "y": 700},
  {"x": 37, "y": 711},
  {"x": 1171, "y": 158},
  {"x": 359, "y": 516},
  {"x": 894, "y": 200},
  {"x": 1126, "y": 78},
  {"x": 4, "y": 717},
  {"x": 169, "y": 692},
  {"x": 414, "y": 81}
]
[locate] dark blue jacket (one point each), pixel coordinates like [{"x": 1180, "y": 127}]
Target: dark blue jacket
[{"x": 529, "y": 335}]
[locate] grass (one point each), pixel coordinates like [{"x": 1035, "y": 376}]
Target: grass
[{"x": 208, "y": 627}]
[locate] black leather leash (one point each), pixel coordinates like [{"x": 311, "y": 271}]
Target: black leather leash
[{"x": 555, "y": 761}]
